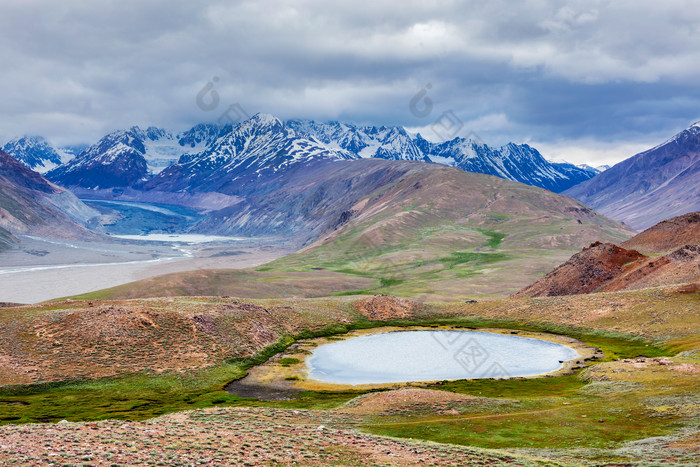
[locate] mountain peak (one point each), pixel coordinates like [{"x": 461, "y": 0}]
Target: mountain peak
[
  {"x": 265, "y": 119},
  {"x": 28, "y": 139}
]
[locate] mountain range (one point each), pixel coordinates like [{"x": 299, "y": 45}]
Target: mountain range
[
  {"x": 129, "y": 157},
  {"x": 256, "y": 151},
  {"x": 135, "y": 156},
  {"x": 520, "y": 163},
  {"x": 209, "y": 162}
]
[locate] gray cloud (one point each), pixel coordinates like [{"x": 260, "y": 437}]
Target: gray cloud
[{"x": 583, "y": 75}]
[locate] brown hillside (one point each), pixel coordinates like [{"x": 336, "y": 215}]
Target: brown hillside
[
  {"x": 585, "y": 272},
  {"x": 30, "y": 204},
  {"x": 667, "y": 235},
  {"x": 97, "y": 339}
]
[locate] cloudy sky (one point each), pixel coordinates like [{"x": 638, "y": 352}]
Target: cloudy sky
[{"x": 588, "y": 81}]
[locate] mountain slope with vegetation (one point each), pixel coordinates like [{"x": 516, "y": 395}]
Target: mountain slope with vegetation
[
  {"x": 439, "y": 231},
  {"x": 407, "y": 228}
]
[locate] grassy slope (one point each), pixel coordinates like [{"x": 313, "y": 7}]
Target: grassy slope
[
  {"x": 456, "y": 233},
  {"x": 435, "y": 235},
  {"x": 247, "y": 283}
]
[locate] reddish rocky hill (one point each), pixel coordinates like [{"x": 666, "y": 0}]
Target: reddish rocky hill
[{"x": 605, "y": 267}]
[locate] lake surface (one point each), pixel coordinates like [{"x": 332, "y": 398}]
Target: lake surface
[{"x": 403, "y": 356}]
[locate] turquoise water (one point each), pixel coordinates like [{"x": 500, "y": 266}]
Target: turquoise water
[{"x": 434, "y": 355}]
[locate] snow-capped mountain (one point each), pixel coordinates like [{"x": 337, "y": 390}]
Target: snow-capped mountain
[
  {"x": 37, "y": 153},
  {"x": 210, "y": 156},
  {"x": 520, "y": 163},
  {"x": 257, "y": 148},
  {"x": 596, "y": 170},
  {"x": 392, "y": 143},
  {"x": 114, "y": 161},
  {"x": 163, "y": 148},
  {"x": 201, "y": 136}
]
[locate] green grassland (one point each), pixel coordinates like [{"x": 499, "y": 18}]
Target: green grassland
[
  {"x": 453, "y": 263},
  {"x": 439, "y": 261}
]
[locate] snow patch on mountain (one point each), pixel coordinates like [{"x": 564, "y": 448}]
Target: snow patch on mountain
[{"x": 363, "y": 142}]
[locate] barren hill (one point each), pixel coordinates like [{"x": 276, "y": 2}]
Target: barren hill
[{"x": 412, "y": 228}]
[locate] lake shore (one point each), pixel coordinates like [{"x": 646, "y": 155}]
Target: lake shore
[{"x": 285, "y": 380}]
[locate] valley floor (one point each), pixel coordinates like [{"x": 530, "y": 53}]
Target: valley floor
[{"x": 41, "y": 269}]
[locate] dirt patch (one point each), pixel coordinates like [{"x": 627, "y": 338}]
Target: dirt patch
[
  {"x": 688, "y": 368},
  {"x": 410, "y": 401},
  {"x": 691, "y": 443},
  {"x": 384, "y": 307},
  {"x": 690, "y": 288}
]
